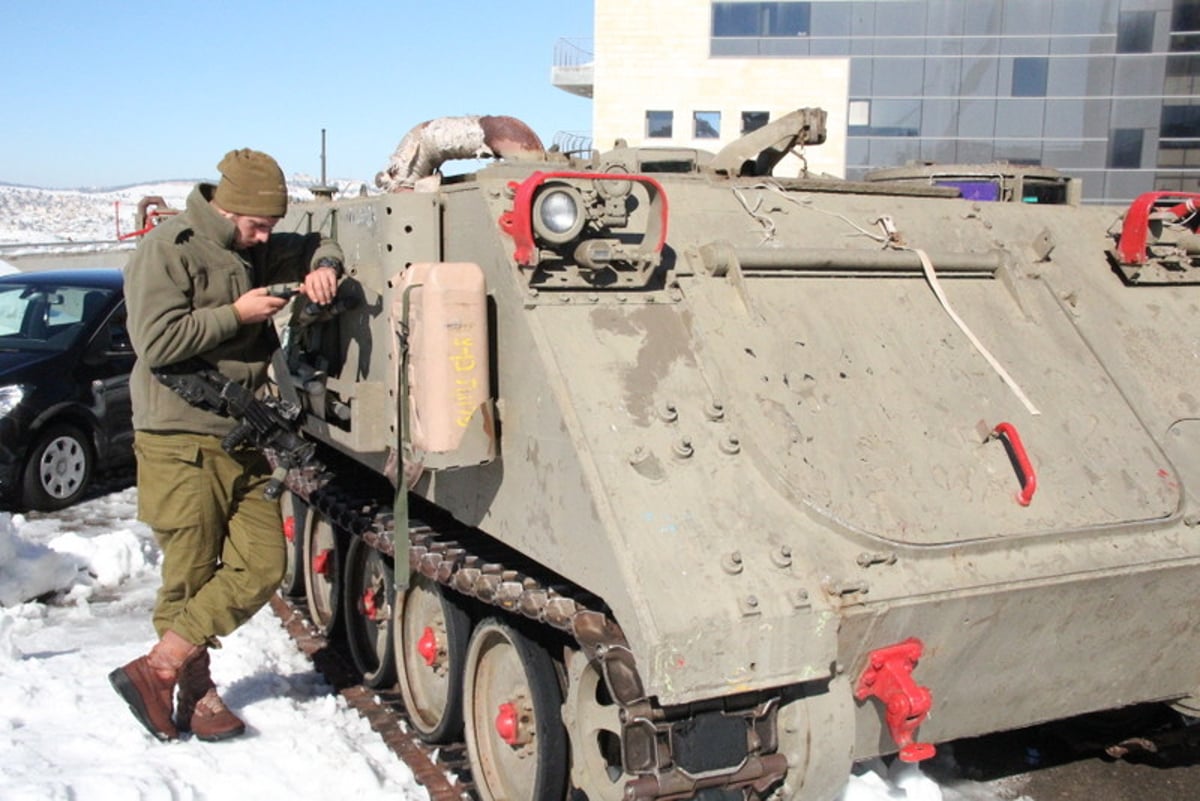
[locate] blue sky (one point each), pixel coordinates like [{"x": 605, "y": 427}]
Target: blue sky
[{"x": 101, "y": 94}]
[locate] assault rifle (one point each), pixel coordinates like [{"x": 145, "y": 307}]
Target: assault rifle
[{"x": 269, "y": 423}]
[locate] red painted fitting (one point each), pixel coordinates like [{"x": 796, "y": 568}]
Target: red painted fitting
[
  {"x": 289, "y": 528},
  {"x": 507, "y": 724},
  {"x": 1135, "y": 230},
  {"x": 518, "y": 221},
  {"x": 368, "y": 604},
  {"x": 322, "y": 562},
  {"x": 1028, "y": 478},
  {"x": 427, "y": 646},
  {"x": 888, "y": 677}
]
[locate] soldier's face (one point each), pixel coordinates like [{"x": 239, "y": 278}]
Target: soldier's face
[{"x": 252, "y": 230}]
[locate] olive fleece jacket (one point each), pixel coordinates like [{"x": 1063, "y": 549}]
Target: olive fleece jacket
[{"x": 180, "y": 286}]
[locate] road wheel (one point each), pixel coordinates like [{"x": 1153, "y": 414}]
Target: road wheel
[
  {"x": 322, "y": 573},
  {"x": 370, "y": 591},
  {"x": 513, "y": 717},
  {"x": 431, "y": 633},
  {"x": 295, "y": 520},
  {"x": 58, "y": 470},
  {"x": 593, "y": 721}
]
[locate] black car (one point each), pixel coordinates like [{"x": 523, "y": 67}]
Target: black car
[{"x": 65, "y": 358}]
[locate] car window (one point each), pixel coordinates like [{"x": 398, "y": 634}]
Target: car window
[{"x": 47, "y": 317}]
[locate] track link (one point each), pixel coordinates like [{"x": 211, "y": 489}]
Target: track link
[{"x": 442, "y": 770}]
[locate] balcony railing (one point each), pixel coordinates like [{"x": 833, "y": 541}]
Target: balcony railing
[{"x": 572, "y": 69}]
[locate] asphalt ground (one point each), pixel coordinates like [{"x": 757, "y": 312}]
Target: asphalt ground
[{"x": 1144, "y": 753}]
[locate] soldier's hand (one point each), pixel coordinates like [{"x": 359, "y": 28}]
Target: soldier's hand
[
  {"x": 320, "y": 285},
  {"x": 257, "y": 305}
]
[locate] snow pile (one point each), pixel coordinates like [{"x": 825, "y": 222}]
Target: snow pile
[{"x": 65, "y": 734}]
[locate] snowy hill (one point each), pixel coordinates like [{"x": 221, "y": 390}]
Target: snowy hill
[{"x": 29, "y": 215}]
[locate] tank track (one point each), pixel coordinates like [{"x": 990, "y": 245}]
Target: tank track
[
  {"x": 440, "y": 770},
  {"x": 471, "y": 564}
]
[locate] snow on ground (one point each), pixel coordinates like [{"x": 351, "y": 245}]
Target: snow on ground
[
  {"x": 33, "y": 216},
  {"x": 64, "y": 732},
  {"x": 76, "y": 590}
]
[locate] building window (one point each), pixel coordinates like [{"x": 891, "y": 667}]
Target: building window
[
  {"x": 658, "y": 124},
  {"x": 1180, "y": 122},
  {"x": 1029, "y": 76},
  {"x": 1135, "y": 32},
  {"x": 1185, "y": 26},
  {"x": 760, "y": 19},
  {"x": 753, "y": 120},
  {"x": 706, "y": 124},
  {"x": 859, "y": 115},
  {"x": 1125, "y": 149}
]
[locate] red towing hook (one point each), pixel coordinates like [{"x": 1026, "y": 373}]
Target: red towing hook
[{"x": 888, "y": 677}]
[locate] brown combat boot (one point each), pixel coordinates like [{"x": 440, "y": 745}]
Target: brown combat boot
[
  {"x": 148, "y": 683},
  {"x": 201, "y": 711}
]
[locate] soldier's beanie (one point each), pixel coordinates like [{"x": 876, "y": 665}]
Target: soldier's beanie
[{"x": 252, "y": 184}]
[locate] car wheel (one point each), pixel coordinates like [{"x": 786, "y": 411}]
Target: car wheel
[{"x": 58, "y": 470}]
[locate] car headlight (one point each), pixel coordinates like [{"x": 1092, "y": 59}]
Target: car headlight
[
  {"x": 558, "y": 214},
  {"x": 10, "y": 397}
]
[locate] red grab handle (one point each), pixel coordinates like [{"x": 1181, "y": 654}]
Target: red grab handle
[{"x": 1012, "y": 441}]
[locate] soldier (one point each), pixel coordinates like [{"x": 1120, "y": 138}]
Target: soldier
[{"x": 196, "y": 287}]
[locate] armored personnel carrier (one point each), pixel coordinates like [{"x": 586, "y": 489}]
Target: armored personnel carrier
[{"x": 654, "y": 475}]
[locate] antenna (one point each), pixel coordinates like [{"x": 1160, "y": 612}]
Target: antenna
[{"x": 323, "y": 191}]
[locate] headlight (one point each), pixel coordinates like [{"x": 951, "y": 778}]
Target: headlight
[
  {"x": 558, "y": 214},
  {"x": 10, "y": 397}
]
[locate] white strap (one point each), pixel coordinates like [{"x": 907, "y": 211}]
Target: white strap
[{"x": 931, "y": 277}]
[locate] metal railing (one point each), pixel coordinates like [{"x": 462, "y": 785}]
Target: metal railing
[{"x": 573, "y": 52}]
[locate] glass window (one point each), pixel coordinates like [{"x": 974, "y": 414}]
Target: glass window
[
  {"x": 1183, "y": 75},
  {"x": 658, "y": 124},
  {"x": 939, "y": 117},
  {"x": 1029, "y": 19},
  {"x": 1180, "y": 121},
  {"x": 1018, "y": 152},
  {"x": 938, "y": 151},
  {"x": 1080, "y": 16},
  {"x": 979, "y": 77},
  {"x": 900, "y": 18},
  {"x": 984, "y": 20},
  {"x": 945, "y": 19},
  {"x": 894, "y": 152},
  {"x": 859, "y": 113},
  {"x": 977, "y": 118},
  {"x": 1135, "y": 32},
  {"x": 1122, "y": 187},
  {"x": 1125, "y": 149},
  {"x": 706, "y": 124},
  {"x": 1068, "y": 77},
  {"x": 1186, "y": 16},
  {"x": 941, "y": 77},
  {"x": 753, "y": 120},
  {"x": 761, "y": 19},
  {"x": 1139, "y": 75},
  {"x": 1020, "y": 118},
  {"x": 1185, "y": 43},
  {"x": 896, "y": 117},
  {"x": 1029, "y": 76},
  {"x": 830, "y": 19},
  {"x": 735, "y": 19},
  {"x": 900, "y": 77},
  {"x": 1065, "y": 120}
]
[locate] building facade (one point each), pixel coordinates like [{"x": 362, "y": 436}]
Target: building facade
[{"x": 1107, "y": 91}]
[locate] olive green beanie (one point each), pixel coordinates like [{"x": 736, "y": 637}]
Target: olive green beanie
[{"x": 252, "y": 184}]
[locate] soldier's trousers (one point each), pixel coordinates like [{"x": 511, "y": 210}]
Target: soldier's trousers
[{"x": 223, "y": 550}]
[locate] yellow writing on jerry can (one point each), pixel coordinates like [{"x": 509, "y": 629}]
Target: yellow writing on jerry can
[{"x": 448, "y": 352}]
